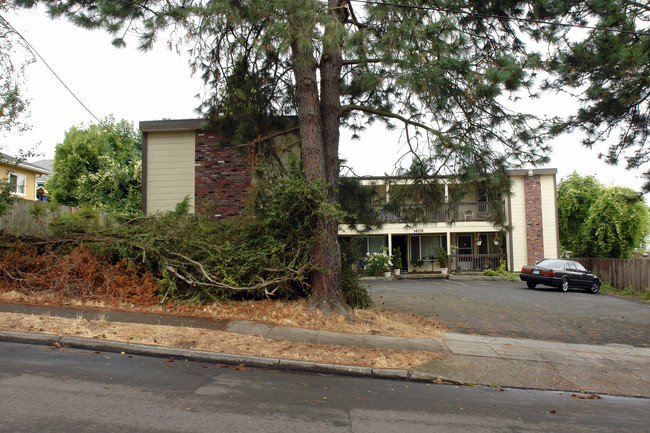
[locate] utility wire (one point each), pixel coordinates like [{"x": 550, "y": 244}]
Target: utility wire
[
  {"x": 31, "y": 47},
  {"x": 499, "y": 17},
  {"x": 106, "y": 127}
]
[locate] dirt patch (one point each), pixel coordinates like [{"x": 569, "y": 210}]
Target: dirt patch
[{"x": 216, "y": 341}]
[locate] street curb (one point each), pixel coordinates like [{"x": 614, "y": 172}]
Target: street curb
[
  {"x": 252, "y": 361},
  {"x": 28, "y": 337},
  {"x": 213, "y": 357}
]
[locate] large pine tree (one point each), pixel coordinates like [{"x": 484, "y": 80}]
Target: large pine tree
[
  {"x": 602, "y": 56},
  {"x": 443, "y": 70}
]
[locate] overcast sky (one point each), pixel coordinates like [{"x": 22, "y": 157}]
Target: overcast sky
[{"x": 154, "y": 85}]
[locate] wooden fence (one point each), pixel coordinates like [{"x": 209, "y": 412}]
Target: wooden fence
[
  {"x": 620, "y": 273},
  {"x": 21, "y": 219}
]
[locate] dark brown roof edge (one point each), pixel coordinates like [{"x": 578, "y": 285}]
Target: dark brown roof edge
[
  {"x": 521, "y": 172},
  {"x": 171, "y": 125},
  {"x": 535, "y": 171}
]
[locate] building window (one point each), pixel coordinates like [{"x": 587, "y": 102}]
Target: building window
[
  {"x": 17, "y": 183},
  {"x": 370, "y": 244},
  {"x": 427, "y": 247}
]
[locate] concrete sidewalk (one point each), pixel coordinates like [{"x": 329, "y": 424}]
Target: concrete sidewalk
[
  {"x": 496, "y": 361},
  {"x": 469, "y": 359}
]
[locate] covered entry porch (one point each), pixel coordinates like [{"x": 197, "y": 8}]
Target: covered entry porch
[
  {"x": 472, "y": 252},
  {"x": 420, "y": 251}
]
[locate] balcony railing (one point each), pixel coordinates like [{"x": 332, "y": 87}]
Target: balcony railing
[{"x": 457, "y": 212}]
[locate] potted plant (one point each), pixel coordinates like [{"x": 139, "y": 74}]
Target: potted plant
[
  {"x": 379, "y": 263},
  {"x": 496, "y": 239},
  {"x": 417, "y": 264},
  {"x": 442, "y": 260},
  {"x": 397, "y": 260},
  {"x": 478, "y": 241}
]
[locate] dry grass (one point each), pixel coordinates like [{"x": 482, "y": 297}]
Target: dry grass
[
  {"x": 370, "y": 321},
  {"x": 216, "y": 341}
]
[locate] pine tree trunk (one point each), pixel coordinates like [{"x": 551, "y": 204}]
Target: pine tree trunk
[
  {"x": 327, "y": 295},
  {"x": 319, "y": 137}
]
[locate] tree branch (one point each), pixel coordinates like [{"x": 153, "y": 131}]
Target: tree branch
[
  {"x": 353, "y": 107},
  {"x": 270, "y": 136}
]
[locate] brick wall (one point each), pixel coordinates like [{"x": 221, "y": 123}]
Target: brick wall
[
  {"x": 534, "y": 227},
  {"x": 222, "y": 176}
]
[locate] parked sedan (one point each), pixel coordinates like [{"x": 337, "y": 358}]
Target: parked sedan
[{"x": 560, "y": 273}]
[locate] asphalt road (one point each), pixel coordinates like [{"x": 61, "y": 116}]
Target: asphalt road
[
  {"x": 510, "y": 309},
  {"x": 53, "y": 390}
]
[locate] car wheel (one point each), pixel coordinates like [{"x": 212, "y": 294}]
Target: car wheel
[
  {"x": 564, "y": 286},
  {"x": 531, "y": 285},
  {"x": 595, "y": 286}
]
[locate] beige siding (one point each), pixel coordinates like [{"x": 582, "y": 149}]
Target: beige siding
[
  {"x": 518, "y": 209},
  {"x": 549, "y": 219},
  {"x": 170, "y": 170}
]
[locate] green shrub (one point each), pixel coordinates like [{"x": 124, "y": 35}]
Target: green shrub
[
  {"x": 7, "y": 198},
  {"x": 627, "y": 292},
  {"x": 397, "y": 258},
  {"x": 501, "y": 272},
  {"x": 442, "y": 257},
  {"x": 86, "y": 221},
  {"x": 354, "y": 294},
  {"x": 378, "y": 263}
]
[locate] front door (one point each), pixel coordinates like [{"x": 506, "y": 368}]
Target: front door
[
  {"x": 401, "y": 243},
  {"x": 464, "y": 259},
  {"x": 464, "y": 244}
]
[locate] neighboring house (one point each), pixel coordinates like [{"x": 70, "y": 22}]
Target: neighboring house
[
  {"x": 47, "y": 165},
  {"x": 41, "y": 192},
  {"x": 22, "y": 176},
  {"x": 180, "y": 160}
]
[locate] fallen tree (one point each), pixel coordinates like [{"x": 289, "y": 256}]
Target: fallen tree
[{"x": 262, "y": 253}]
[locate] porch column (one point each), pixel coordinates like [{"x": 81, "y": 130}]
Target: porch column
[{"x": 390, "y": 244}]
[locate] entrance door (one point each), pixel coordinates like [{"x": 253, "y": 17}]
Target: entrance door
[
  {"x": 464, "y": 244},
  {"x": 401, "y": 243},
  {"x": 464, "y": 259}
]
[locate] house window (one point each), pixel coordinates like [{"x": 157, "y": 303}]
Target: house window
[
  {"x": 370, "y": 244},
  {"x": 427, "y": 247},
  {"x": 17, "y": 183}
]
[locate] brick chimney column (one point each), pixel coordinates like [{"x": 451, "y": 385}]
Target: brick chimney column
[
  {"x": 534, "y": 226},
  {"x": 222, "y": 176}
]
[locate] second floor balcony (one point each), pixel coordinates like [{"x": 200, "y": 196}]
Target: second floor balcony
[{"x": 447, "y": 212}]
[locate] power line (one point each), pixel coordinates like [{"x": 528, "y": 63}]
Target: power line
[
  {"x": 499, "y": 17},
  {"x": 31, "y": 47}
]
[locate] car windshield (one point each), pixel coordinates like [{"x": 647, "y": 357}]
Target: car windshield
[{"x": 552, "y": 264}]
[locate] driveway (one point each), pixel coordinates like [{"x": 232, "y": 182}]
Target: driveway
[{"x": 510, "y": 309}]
